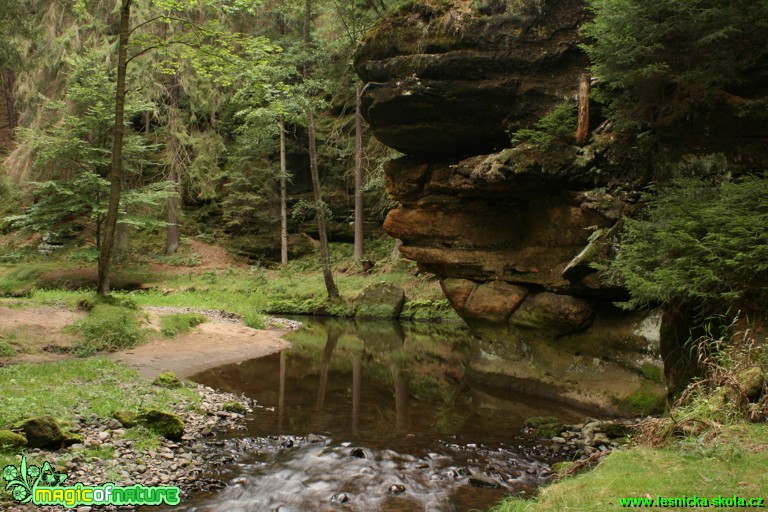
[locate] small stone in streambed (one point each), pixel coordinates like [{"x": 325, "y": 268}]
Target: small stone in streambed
[
  {"x": 483, "y": 481},
  {"x": 359, "y": 453},
  {"x": 314, "y": 438},
  {"x": 396, "y": 489},
  {"x": 340, "y": 497}
]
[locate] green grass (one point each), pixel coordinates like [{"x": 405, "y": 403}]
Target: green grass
[
  {"x": 727, "y": 469},
  {"x": 90, "y": 387},
  {"x": 171, "y": 325},
  {"x": 108, "y": 327}
]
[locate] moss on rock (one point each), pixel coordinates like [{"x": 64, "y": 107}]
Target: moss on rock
[
  {"x": 234, "y": 407},
  {"x": 380, "y": 300},
  {"x": 163, "y": 423},
  {"x": 127, "y": 419},
  {"x": 46, "y": 432},
  {"x": 167, "y": 380},
  {"x": 11, "y": 441}
]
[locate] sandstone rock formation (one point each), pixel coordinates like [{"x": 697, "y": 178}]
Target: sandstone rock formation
[{"x": 511, "y": 231}]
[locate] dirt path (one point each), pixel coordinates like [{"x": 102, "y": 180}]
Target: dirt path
[{"x": 37, "y": 334}]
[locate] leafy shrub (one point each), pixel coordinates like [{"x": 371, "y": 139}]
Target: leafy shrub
[
  {"x": 699, "y": 244},
  {"x": 557, "y": 126}
]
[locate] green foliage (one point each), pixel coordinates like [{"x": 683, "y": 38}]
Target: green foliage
[
  {"x": 661, "y": 62},
  {"x": 557, "y": 126},
  {"x": 171, "y": 325},
  {"x": 699, "y": 244},
  {"x": 6, "y": 349},
  {"x": 107, "y": 328}
]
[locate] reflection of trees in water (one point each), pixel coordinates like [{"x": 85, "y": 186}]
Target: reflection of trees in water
[{"x": 374, "y": 362}]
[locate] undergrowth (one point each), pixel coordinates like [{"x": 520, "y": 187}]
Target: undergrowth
[
  {"x": 113, "y": 323},
  {"x": 171, "y": 325}
]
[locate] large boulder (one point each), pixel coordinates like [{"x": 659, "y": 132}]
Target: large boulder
[
  {"x": 513, "y": 233},
  {"x": 380, "y": 300},
  {"x": 453, "y": 77},
  {"x": 46, "y": 432}
]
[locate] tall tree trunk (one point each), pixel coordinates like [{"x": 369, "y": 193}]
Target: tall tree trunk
[
  {"x": 358, "y": 251},
  {"x": 175, "y": 162},
  {"x": 283, "y": 198},
  {"x": 582, "y": 128},
  {"x": 8, "y": 82},
  {"x": 330, "y": 285},
  {"x": 116, "y": 171}
]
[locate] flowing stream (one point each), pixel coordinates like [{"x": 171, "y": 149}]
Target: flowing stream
[{"x": 370, "y": 416}]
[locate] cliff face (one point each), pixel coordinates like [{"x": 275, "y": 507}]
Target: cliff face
[{"x": 511, "y": 232}]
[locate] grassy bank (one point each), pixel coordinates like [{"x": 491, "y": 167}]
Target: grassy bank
[
  {"x": 712, "y": 443},
  {"x": 249, "y": 291},
  {"x": 89, "y": 388},
  {"x": 733, "y": 465}
]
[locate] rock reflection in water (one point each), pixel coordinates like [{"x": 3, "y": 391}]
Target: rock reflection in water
[{"x": 395, "y": 391}]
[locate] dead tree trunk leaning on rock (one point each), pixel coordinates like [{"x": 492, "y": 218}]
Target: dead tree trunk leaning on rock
[{"x": 582, "y": 128}]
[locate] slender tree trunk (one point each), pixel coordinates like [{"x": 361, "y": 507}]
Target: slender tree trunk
[
  {"x": 283, "y": 198},
  {"x": 330, "y": 285},
  {"x": 147, "y": 118},
  {"x": 358, "y": 251},
  {"x": 175, "y": 161},
  {"x": 582, "y": 128},
  {"x": 8, "y": 80},
  {"x": 116, "y": 171}
]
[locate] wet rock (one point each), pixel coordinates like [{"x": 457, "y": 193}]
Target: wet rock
[
  {"x": 396, "y": 489},
  {"x": 340, "y": 497},
  {"x": 484, "y": 481},
  {"x": 545, "y": 426},
  {"x": 359, "y": 453},
  {"x": 236, "y": 407},
  {"x": 314, "y": 438}
]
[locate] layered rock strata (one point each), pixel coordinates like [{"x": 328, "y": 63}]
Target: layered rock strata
[{"x": 511, "y": 231}]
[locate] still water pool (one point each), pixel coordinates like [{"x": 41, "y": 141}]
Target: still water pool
[{"x": 367, "y": 416}]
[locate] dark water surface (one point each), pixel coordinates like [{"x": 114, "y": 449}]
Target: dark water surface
[{"x": 378, "y": 411}]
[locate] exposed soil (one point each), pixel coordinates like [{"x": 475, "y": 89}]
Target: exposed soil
[
  {"x": 38, "y": 334},
  {"x": 208, "y": 345}
]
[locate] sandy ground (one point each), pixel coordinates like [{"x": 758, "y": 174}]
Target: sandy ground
[
  {"x": 213, "y": 343},
  {"x": 210, "y": 344}
]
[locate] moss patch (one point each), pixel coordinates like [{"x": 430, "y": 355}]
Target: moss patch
[
  {"x": 234, "y": 407},
  {"x": 167, "y": 380},
  {"x": 162, "y": 423},
  {"x": 127, "y": 419},
  {"x": 11, "y": 441},
  {"x": 643, "y": 401}
]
